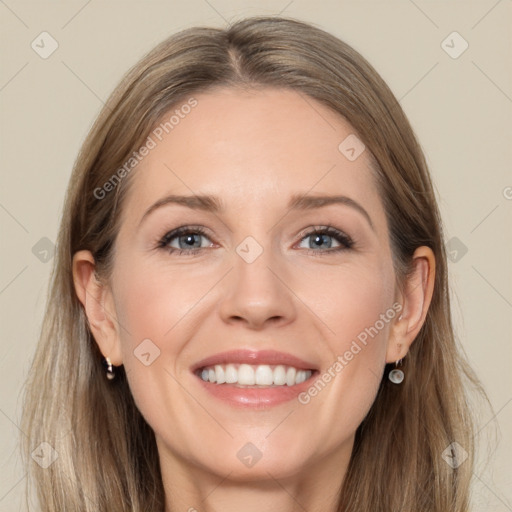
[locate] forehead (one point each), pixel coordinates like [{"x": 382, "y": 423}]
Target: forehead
[{"x": 252, "y": 148}]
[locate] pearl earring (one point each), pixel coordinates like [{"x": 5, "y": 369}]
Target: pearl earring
[
  {"x": 396, "y": 376},
  {"x": 109, "y": 368}
]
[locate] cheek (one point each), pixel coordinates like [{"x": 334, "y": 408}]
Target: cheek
[
  {"x": 152, "y": 301},
  {"x": 353, "y": 302},
  {"x": 156, "y": 307},
  {"x": 150, "y": 306},
  {"x": 358, "y": 314}
]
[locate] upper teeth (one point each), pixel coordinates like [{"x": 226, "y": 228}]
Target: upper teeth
[{"x": 249, "y": 375}]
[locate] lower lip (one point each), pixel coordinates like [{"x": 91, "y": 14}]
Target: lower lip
[{"x": 253, "y": 397}]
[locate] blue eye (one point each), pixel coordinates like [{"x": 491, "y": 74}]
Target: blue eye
[
  {"x": 188, "y": 239},
  {"x": 325, "y": 235},
  {"x": 186, "y": 236}
]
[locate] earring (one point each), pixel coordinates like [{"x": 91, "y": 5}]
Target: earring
[
  {"x": 109, "y": 368},
  {"x": 396, "y": 376}
]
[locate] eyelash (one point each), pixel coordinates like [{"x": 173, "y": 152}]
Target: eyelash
[{"x": 345, "y": 240}]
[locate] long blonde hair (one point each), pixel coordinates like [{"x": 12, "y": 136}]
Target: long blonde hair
[{"x": 107, "y": 455}]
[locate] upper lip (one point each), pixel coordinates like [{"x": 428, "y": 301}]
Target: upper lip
[{"x": 255, "y": 357}]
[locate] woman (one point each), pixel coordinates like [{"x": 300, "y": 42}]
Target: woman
[{"x": 201, "y": 350}]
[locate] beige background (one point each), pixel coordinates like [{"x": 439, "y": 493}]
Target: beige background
[{"x": 461, "y": 109}]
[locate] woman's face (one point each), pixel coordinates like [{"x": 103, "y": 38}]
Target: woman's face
[{"x": 256, "y": 294}]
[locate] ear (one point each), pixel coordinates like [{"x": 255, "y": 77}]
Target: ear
[
  {"x": 99, "y": 306},
  {"x": 418, "y": 291}
]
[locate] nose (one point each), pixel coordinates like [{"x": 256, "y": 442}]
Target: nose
[{"x": 258, "y": 294}]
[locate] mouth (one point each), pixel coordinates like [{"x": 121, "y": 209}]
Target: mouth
[
  {"x": 254, "y": 376},
  {"x": 256, "y": 379}
]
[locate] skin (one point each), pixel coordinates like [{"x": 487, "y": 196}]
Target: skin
[{"x": 253, "y": 149}]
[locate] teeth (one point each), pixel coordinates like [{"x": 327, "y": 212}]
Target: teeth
[
  {"x": 220, "y": 374},
  {"x": 264, "y": 376},
  {"x": 290, "y": 376},
  {"x": 301, "y": 377},
  {"x": 246, "y": 375},
  {"x": 231, "y": 374},
  {"x": 251, "y": 375},
  {"x": 280, "y": 375}
]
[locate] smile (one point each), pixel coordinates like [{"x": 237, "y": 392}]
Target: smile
[{"x": 262, "y": 375}]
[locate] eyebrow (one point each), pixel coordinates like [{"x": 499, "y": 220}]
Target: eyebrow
[{"x": 299, "y": 202}]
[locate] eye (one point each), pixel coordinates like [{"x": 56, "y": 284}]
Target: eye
[
  {"x": 321, "y": 236},
  {"x": 186, "y": 238}
]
